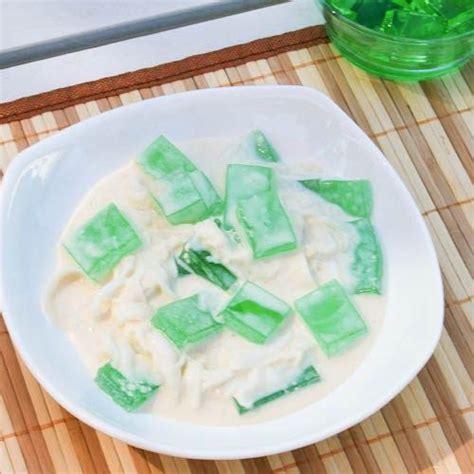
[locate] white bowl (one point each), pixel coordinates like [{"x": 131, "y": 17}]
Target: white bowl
[{"x": 46, "y": 182}]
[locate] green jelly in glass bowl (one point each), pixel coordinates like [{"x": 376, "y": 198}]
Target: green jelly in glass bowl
[{"x": 403, "y": 40}]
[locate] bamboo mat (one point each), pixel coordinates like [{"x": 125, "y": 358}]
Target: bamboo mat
[{"x": 425, "y": 131}]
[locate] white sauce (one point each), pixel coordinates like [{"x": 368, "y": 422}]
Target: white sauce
[{"x": 110, "y": 321}]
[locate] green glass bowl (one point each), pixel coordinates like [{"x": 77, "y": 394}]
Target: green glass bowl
[{"x": 401, "y": 59}]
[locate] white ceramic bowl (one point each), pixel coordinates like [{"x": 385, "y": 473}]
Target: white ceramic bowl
[{"x": 46, "y": 182}]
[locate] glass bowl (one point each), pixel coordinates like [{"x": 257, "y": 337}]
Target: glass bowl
[{"x": 397, "y": 58}]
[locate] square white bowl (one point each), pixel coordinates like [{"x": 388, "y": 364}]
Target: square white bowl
[{"x": 46, "y": 182}]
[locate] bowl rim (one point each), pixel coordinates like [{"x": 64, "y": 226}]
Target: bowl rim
[{"x": 326, "y": 7}]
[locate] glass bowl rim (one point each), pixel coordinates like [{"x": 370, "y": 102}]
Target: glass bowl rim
[{"x": 396, "y": 39}]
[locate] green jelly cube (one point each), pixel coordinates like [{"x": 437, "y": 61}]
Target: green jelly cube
[
  {"x": 100, "y": 244},
  {"x": 370, "y": 13},
  {"x": 387, "y": 23},
  {"x": 208, "y": 194},
  {"x": 242, "y": 182},
  {"x": 413, "y": 25},
  {"x": 418, "y": 6},
  {"x": 405, "y": 4},
  {"x": 187, "y": 198},
  {"x": 187, "y": 195},
  {"x": 367, "y": 266},
  {"x": 162, "y": 158},
  {"x": 447, "y": 8},
  {"x": 255, "y": 314},
  {"x": 462, "y": 23},
  {"x": 129, "y": 394},
  {"x": 353, "y": 197},
  {"x": 307, "y": 377},
  {"x": 262, "y": 147},
  {"x": 179, "y": 199},
  {"x": 185, "y": 321},
  {"x": 252, "y": 200},
  {"x": 202, "y": 263},
  {"x": 182, "y": 269},
  {"x": 331, "y": 317},
  {"x": 266, "y": 224},
  {"x": 346, "y": 8}
]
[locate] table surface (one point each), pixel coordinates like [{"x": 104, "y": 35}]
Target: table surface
[
  {"x": 25, "y": 21},
  {"x": 425, "y": 131}
]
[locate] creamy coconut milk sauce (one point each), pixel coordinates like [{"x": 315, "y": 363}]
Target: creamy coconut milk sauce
[{"x": 110, "y": 321}]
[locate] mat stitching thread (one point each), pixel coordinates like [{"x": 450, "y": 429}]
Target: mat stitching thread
[
  {"x": 424, "y": 121},
  {"x": 448, "y": 206}
]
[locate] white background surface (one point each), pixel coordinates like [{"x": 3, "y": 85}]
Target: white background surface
[{"x": 29, "y": 21}]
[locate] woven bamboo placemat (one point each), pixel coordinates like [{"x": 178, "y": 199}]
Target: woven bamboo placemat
[{"x": 425, "y": 131}]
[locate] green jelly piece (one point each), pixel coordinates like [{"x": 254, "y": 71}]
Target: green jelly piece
[
  {"x": 255, "y": 314},
  {"x": 387, "y": 22},
  {"x": 266, "y": 224},
  {"x": 179, "y": 199},
  {"x": 417, "y": 6},
  {"x": 162, "y": 158},
  {"x": 242, "y": 182},
  {"x": 367, "y": 266},
  {"x": 331, "y": 317},
  {"x": 410, "y": 24},
  {"x": 208, "y": 193},
  {"x": 307, "y": 377},
  {"x": 407, "y": 4},
  {"x": 346, "y": 8},
  {"x": 187, "y": 198},
  {"x": 422, "y": 6},
  {"x": 370, "y": 13},
  {"x": 353, "y": 197},
  {"x": 185, "y": 321},
  {"x": 202, "y": 263},
  {"x": 182, "y": 270},
  {"x": 262, "y": 147},
  {"x": 100, "y": 244},
  {"x": 462, "y": 23},
  {"x": 448, "y": 8},
  {"x": 129, "y": 394}
]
